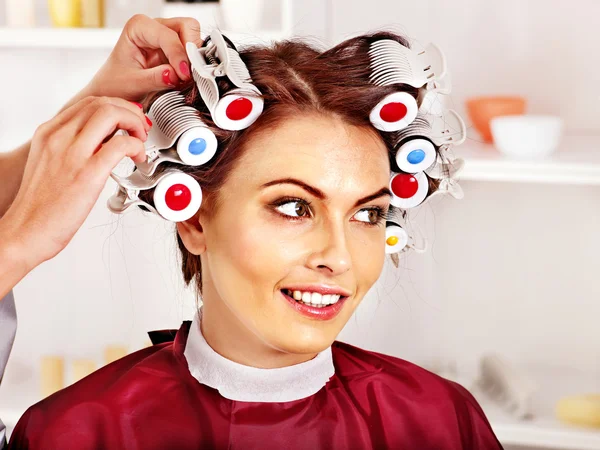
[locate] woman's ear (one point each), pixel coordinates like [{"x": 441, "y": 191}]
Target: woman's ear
[{"x": 192, "y": 235}]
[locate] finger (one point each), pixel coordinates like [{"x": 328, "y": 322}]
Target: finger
[
  {"x": 157, "y": 78},
  {"x": 111, "y": 154},
  {"x": 134, "y": 107},
  {"x": 71, "y": 121},
  {"x": 62, "y": 129},
  {"x": 65, "y": 116},
  {"x": 155, "y": 58},
  {"x": 187, "y": 28},
  {"x": 145, "y": 32},
  {"x": 102, "y": 125}
]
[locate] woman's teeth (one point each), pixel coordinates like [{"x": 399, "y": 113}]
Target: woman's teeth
[{"x": 312, "y": 298}]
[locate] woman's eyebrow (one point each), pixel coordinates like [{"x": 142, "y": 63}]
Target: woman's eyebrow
[{"x": 321, "y": 195}]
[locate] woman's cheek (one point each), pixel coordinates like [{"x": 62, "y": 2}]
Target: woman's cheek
[
  {"x": 369, "y": 259},
  {"x": 260, "y": 247}
]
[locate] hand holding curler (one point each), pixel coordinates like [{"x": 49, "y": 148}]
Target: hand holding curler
[
  {"x": 149, "y": 56},
  {"x": 70, "y": 160}
]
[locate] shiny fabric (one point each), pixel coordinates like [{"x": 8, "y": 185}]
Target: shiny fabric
[{"x": 149, "y": 400}]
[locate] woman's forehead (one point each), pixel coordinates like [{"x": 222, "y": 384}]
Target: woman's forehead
[{"x": 317, "y": 145}]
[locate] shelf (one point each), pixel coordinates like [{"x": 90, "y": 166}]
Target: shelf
[
  {"x": 545, "y": 430},
  {"x": 90, "y": 38},
  {"x": 541, "y": 432},
  {"x": 67, "y": 38},
  {"x": 577, "y": 161}
]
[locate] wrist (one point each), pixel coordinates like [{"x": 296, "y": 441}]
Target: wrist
[
  {"x": 12, "y": 166},
  {"x": 16, "y": 258}
]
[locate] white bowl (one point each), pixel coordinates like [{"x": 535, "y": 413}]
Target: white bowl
[{"x": 526, "y": 136}]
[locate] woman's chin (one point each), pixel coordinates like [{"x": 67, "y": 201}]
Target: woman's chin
[{"x": 304, "y": 342}]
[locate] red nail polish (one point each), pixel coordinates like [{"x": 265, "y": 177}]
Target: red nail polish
[
  {"x": 148, "y": 121},
  {"x": 139, "y": 105},
  {"x": 166, "y": 76},
  {"x": 185, "y": 69}
]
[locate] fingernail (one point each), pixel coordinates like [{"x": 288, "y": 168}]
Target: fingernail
[
  {"x": 166, "y": 76},
  {"x": 185, "y": 69},
  {"x": 139, "y": 105},
  {"x": 148, "y": 121}
]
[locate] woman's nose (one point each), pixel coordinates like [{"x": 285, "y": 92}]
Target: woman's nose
[{"x": 330, "y": 251}]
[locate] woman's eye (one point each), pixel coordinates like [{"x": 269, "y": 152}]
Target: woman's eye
[
  {"x": 369, "y": 216},
  {"x": 293, "y": 208}
]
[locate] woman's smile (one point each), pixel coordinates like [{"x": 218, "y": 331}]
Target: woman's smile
[{"x": 313, "y": 305}]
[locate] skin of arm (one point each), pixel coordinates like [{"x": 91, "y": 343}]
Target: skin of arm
[{"x": 12, "y": 165}]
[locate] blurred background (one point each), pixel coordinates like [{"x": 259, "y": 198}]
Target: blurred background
[{"x": 511, "y": 276}]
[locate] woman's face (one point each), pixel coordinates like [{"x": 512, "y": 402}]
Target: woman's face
[{"x": 318, "y": 229}]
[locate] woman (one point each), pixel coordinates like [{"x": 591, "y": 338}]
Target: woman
[{"x": 283, "y": 241}]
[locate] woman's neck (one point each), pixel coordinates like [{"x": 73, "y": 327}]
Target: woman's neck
[{"x": 230, "y": 338}]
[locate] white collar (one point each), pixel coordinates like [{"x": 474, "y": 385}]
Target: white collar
[{"x": 250, "y": 384}]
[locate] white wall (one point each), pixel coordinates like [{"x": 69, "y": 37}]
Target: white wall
[{"x": 545, "y": 50}]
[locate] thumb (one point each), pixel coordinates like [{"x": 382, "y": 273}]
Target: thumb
[
  {"x": 157, "y": 78},
  {"x": 112, "y": 153}
]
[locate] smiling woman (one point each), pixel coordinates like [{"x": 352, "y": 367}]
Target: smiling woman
[
  {"x": 290, "y": 233},
  {"x": 308, "y": 235}
]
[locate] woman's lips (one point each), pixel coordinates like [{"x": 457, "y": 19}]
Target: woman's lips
[{"x": 313, "y": 312}]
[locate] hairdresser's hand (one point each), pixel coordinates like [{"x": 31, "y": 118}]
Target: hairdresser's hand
[
  {"x": 70, "y": 160},
  {"x": 149, "y": 56}
]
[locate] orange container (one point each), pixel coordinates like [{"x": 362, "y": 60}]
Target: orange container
[{"x": 482, "y": 109}]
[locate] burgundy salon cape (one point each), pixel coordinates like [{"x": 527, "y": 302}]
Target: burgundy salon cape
[{"x": 149, "y": 400}]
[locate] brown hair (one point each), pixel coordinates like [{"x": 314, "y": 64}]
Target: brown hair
[{"x": 293, "y": 77}]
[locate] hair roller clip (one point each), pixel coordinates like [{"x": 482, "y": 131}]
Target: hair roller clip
[
  {"x": 230, "y": 63},
  {"x": 203, "y": 73},
  {"x": 396, "y": 238},
  {"x": 394, "y": 112},
  {"x": 177, "y": 195},
  {"x": 236, "y": 110},
  {"x": 429, "y": 97},
  {"x": 445, "y": 168},
  {"x": 416, "y": 155},
  {"x": 174, "y": 121},
  {"x": 397, "y": 241},
  {"x": 240, "y": 107},
  {"x": 447, "y": 129},
  {"x": 448, "y": 184},
  {"x": 409, "y": 190},
  {"x": 197, "y": 146},
  {"x": 393, "y": 63}
]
